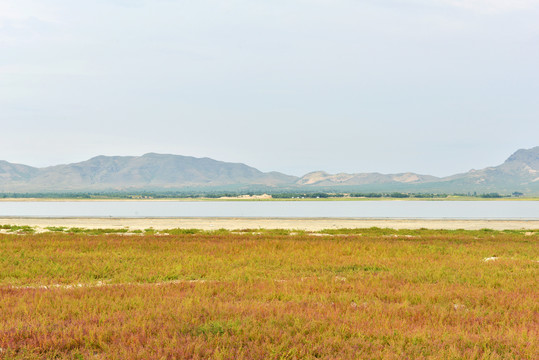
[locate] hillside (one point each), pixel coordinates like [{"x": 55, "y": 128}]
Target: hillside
[
  {"x": 158, "y": 172},
  {"x": 150, "y": 171},
  {"x": 520, "y": 172}
]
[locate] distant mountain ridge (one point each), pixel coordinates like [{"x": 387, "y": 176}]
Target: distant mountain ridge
[
  {"x": 520, "y": 172},
  {"x": 149, "y": 171},
  {"x": 322, "y": 178}
]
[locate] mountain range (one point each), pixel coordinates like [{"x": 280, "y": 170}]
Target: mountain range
[{"x": 161, "y": 172}]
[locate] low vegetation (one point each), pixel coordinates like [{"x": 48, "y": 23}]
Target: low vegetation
[
  {"x": 17, "y": 228},
  {"x": 279, "y": 195},
  {"x": 269, "y": 294}
]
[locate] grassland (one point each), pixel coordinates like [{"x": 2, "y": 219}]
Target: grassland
[{"x": 269, "y": 294}]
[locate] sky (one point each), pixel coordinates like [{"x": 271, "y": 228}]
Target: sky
[{"x": 429, "y": 86}]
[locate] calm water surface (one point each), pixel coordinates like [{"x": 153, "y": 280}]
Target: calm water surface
[{"x": 361, "y": 209}]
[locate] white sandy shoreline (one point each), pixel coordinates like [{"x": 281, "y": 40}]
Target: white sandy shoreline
[{"x": 308, "y": 224}]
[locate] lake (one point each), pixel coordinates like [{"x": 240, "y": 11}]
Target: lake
[{"x": 297, "y": 209}]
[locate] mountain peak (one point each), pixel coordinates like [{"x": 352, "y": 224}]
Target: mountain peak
[{"x": 529, "y": 157}]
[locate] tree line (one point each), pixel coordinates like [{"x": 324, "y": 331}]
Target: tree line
[{"x": 216, "y": 195}]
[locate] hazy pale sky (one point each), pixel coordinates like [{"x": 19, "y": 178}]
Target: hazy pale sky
[{"x": 430, "y": 86}]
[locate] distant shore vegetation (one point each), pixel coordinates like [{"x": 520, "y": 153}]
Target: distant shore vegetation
[{"x": 249, "y": 195}]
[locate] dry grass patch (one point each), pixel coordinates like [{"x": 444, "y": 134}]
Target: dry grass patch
[{"x": 270, "y": 295}]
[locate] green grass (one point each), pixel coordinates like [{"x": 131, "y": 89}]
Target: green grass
[
  {"x": 56, "y": 228},
  {"x": 18, "y": 228}
]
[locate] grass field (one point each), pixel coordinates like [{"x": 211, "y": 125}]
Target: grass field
[{"x": 339, "y": 294}]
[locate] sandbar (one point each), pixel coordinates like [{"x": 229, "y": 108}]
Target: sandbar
[{"x": 235, "y": 223}]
